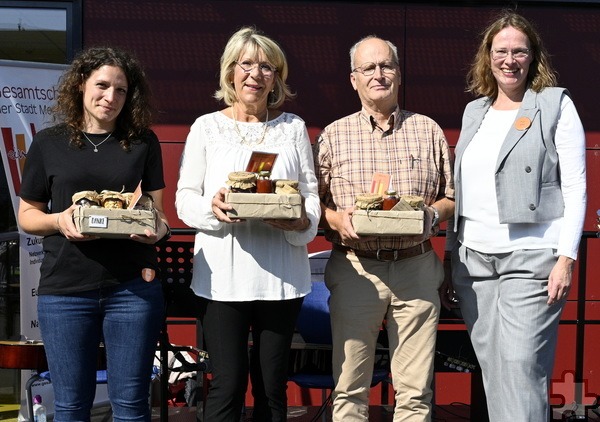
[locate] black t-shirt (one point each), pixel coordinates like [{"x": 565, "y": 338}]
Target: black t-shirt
[{"x": 54, "y": 170}]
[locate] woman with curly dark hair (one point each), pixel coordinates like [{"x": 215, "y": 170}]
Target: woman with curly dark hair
[{"x": 93, "y": 289}]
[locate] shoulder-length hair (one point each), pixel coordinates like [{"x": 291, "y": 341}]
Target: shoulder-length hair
[
  {"x": 253, "y": 42},
  {"x": 136, "y": 115},
  {"x": 480, "y": 80}
]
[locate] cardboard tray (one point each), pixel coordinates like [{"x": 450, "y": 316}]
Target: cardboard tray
[
  {"x": 389, "y": 223},
  {"x": 264, "y": 205},
  {"x": 114, "y": 223}
]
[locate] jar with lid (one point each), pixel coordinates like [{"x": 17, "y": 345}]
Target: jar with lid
[
  {"x": 264, "y": 183},
  {"x": 390, "y": 199}
]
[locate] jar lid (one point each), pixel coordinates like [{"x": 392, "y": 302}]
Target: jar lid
[
  {"x": 241, "y": 179},
  {"x": 414, "y": 201},
  {"x": 89, "y": 195},
  {"x": 112, "y": 199},
  {"x": 366, "y": 201},
  {"x": 286, "y": 187},
  {"x": 242, "y": 176}
]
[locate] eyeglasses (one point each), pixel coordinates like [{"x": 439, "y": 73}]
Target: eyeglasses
[
  {"x": 368, "y": 69},
  {"x": 266, "y": 69},
  {"x": 517, "y": 53}
]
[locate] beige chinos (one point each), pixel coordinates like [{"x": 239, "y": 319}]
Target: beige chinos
[{"x": 364, "y": 292}]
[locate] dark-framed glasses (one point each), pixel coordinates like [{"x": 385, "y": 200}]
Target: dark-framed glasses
[
  {"x": 517, "y": 53},
  {"x": 266, "y": 69},
  {"x": 368, "y": 69}
]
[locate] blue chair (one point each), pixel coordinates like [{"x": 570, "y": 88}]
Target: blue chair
[{"x": 314, "y": 325}]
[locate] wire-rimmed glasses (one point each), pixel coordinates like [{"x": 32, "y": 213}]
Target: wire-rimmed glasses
[
  {"x": 502, "y": 53},
  {"x": 266, "y": 69},
  {"x": 369, "y": 68}
]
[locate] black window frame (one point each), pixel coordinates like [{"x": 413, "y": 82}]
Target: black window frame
[{"x": 74, "y": 15}]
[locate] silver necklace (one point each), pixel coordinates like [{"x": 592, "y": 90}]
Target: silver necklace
[
  {"x": 237, "y": 129},
  {"x": 98, "y": 144}
]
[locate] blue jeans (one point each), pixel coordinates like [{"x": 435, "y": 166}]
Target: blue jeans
[{"x": 127, "y": 318}]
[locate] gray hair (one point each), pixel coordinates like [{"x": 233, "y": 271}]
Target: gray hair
[{"x": 369, "y": 37}]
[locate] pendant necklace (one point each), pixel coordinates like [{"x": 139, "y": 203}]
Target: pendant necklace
[
  {"x": 98, "y": 144},
  {"x": 237, "y": 129}
]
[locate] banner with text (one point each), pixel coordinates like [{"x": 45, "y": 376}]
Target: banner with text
[{"x": 27, "y": 91}]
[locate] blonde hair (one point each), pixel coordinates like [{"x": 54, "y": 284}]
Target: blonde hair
[
  {"x": 252, "y": 41},
  {"x": 480, "y": 80}
]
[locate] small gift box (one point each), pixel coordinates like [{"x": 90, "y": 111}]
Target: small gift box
[
  {"x": 114, "y": 223},
  {"x": 264, "y": 205},
  {"x": 387, "y": 223}
]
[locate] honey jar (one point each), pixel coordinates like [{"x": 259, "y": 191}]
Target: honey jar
[
  {"x": 264, "y": 183},
  {"x": 391, "y": 198}
]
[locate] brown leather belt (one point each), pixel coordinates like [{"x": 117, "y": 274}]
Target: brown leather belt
[{"x": 388, "y": 254}]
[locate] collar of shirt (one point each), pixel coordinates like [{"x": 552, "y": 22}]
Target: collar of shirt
[{"x": 370, "y": 120}]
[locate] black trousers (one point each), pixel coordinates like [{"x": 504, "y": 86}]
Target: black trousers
[{"x": 226, "y": 327}]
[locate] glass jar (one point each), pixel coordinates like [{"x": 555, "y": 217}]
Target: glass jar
[
  {"x": 390, "y": 199},
  {"x": 264, "y": 183}
]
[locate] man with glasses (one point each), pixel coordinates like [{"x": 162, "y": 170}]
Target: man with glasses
[{"x": 393, "y": 278}]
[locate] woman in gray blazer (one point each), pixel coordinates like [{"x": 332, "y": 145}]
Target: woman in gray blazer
[{"x": 520, "y": 204}]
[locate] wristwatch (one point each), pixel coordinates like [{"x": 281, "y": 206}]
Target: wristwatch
[{"x": 436, "y": 217}]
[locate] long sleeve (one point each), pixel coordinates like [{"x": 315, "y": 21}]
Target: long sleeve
[
  {"x": 193, "y": 203},
  {"x": 248, "y": 260},
  {"x": 570, "y": 146},
  {"x": 307, "y": 183}
]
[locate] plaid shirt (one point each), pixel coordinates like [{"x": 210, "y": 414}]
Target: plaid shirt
[{"x": 414, "y": 152}]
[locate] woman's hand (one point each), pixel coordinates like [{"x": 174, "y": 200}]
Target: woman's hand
[
  {"x": 220, "y": 207},
  {"x": 559, "y": 282},
  {"x": 152, "y": 237},
  {"x": 297, "y": 224},
  {"x": 66, "y": 226},
  {"x": 446, "y": 291}
]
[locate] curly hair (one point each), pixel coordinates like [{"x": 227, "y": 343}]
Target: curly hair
[
  {"x": 251, "y": 40},
  {"x": 480, "y": 80},
  {"x": 136, "y": 115}
]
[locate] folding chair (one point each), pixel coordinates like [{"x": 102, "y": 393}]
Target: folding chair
[
  {"x": 176, "y": 265},
  {"x": 314, "y": 326}
]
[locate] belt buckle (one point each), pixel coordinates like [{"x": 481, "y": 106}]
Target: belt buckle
[{"x": 394, "y": 251}]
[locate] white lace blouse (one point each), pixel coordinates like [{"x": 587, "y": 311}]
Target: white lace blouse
[{"x": 250, "y": 260}]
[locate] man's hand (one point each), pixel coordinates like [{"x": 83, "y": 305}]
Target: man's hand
[
  {"x": 342, "y": 223},
  {"x": 428, "y": 229}
]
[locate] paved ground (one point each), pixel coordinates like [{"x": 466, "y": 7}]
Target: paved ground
[{"x": 446, "y": 413}]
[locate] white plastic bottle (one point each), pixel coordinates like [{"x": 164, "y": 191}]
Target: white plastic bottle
[{"x": 39, "y": 410}]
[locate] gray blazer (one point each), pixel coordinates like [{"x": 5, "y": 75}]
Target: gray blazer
[{"x": 527, "y": 170}]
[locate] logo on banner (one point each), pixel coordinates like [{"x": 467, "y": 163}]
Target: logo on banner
[{"x": 16, "y": 151}]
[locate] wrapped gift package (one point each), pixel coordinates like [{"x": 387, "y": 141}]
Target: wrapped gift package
[
  {"x": 264, "y": 205},
  {"x": 387, "y": 223},
  {"x": 114, "y": 223}
]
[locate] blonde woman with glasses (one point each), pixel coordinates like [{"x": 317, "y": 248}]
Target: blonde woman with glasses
[{"x": 249, "y": 274}]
